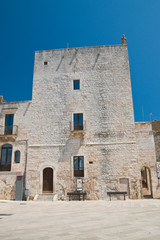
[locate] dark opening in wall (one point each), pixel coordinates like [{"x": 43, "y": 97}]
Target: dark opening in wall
[
  {"x": 90, "y": 162},
  {"x": 45, "y": 63},
  {"x": 76, "y": 84}
]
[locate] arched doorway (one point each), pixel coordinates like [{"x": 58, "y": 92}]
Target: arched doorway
[
  {"x": 146, "y": 182},
  {"x": 48, "y": 180}
]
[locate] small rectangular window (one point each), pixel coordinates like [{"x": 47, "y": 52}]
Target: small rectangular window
[
  {"x": 45, "y": 63},
  {"x": 76, "y": 84},
  {"x": 78, "y": 121},
  {"x": 78, "y": 166},
  {"x": 17, "y": 157}
]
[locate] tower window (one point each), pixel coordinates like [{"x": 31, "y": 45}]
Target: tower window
[
  {"x": 78, "y": 121},
  {"x": 76, "y": 84},
  {"x": 45, "y": 63},
  {"x": 78, "y": 166},
  {"x": 9, "y": 124}
]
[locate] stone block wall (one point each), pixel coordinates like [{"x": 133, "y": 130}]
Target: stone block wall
[
  {"x": 156, "y": 131},
  {"x": 147, "y": 154},
  {"x": 19, "y": 142},
  {"x": 105, "y": 99}
]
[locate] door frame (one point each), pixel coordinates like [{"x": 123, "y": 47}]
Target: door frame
[
  {"x": 148, "y": 180},
  {"x": 49, "y": 180},
  {"x": 41, "y": 178}
]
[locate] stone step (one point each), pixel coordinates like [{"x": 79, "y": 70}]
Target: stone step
[
  {"x": 147, "y": 196},
  {"x": 45, "y": 197}
]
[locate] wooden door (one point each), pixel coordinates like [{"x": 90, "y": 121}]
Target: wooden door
[{"x": 48, "y": 180}]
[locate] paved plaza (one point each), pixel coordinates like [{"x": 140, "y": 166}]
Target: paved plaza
[{"x": 91, "y": 220}]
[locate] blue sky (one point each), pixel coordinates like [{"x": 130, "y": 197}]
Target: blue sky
[{"x": 27, "y": 26}]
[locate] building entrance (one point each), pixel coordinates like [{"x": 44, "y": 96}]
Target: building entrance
[
  {"x": 48, "y": 180},
  {"x": 146, "y": 182}
]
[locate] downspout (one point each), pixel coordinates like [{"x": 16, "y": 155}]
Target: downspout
[{"x": 25, "y": 170}]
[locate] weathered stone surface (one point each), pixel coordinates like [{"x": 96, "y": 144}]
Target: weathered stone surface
[
  {"x": 147, "y": 154},
  {"x": 104, "y": 99},
  {"x": 19, "y": 143}
]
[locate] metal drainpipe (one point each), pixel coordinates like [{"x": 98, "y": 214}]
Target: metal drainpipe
[{"x": 25, "y": 168}]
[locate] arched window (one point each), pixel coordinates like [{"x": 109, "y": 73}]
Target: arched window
[
  {"x": 17, "y": 157},
  {"x": 6, "y": 156}
]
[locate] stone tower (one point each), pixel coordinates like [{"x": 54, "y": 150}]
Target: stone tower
[{"x": 82, "y": 122}]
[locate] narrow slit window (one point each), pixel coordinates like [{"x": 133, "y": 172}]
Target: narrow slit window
[
  {"x": 76, "y": 84},
  {"x": 17, "y": 157}
]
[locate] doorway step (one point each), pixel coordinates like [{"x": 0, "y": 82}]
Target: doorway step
[
  {"x": 45, "y": 197},
  {"x": 147, "y": 196}
]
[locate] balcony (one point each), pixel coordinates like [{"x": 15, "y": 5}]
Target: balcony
[
  {"x": 78, "y": 129},
  {"x": 9, "y": 134}
]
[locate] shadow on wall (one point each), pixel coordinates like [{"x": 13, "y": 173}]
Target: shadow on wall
[
  {"x": 73, "y": 57},
  {"x": 26, "y": 109},
  {"x": 59, "y": 63},
  {"x": 71, "y": 147},
  {"x": 96, "y": 60}
]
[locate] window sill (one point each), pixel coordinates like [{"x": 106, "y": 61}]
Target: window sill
[{"x": 76, "y": 132}]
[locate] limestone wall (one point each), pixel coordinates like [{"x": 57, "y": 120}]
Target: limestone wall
[
  {"x": 110, "y": 163},
  {"x": 156, "y": 131},
  {"x": 104, "y": 98},
  {"x": 147, "y": 154},
  {"x": 18, "y": 140}
]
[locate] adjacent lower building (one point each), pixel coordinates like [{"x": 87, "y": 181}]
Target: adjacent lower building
[{"x": 78, "y": 133}]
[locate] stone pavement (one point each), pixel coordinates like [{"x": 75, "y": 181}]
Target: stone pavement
[{"x": 90, "y": 220}]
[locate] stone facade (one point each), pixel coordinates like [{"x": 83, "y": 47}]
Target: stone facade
[
  {"x": 114, "y": 147},
  {"x": 19, "y": 141},
  {"x": 147, "y": 155}
]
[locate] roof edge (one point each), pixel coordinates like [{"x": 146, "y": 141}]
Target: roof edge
[
  {"x": 29, "y": 101},
  {"x": 59, "y": 49}
]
